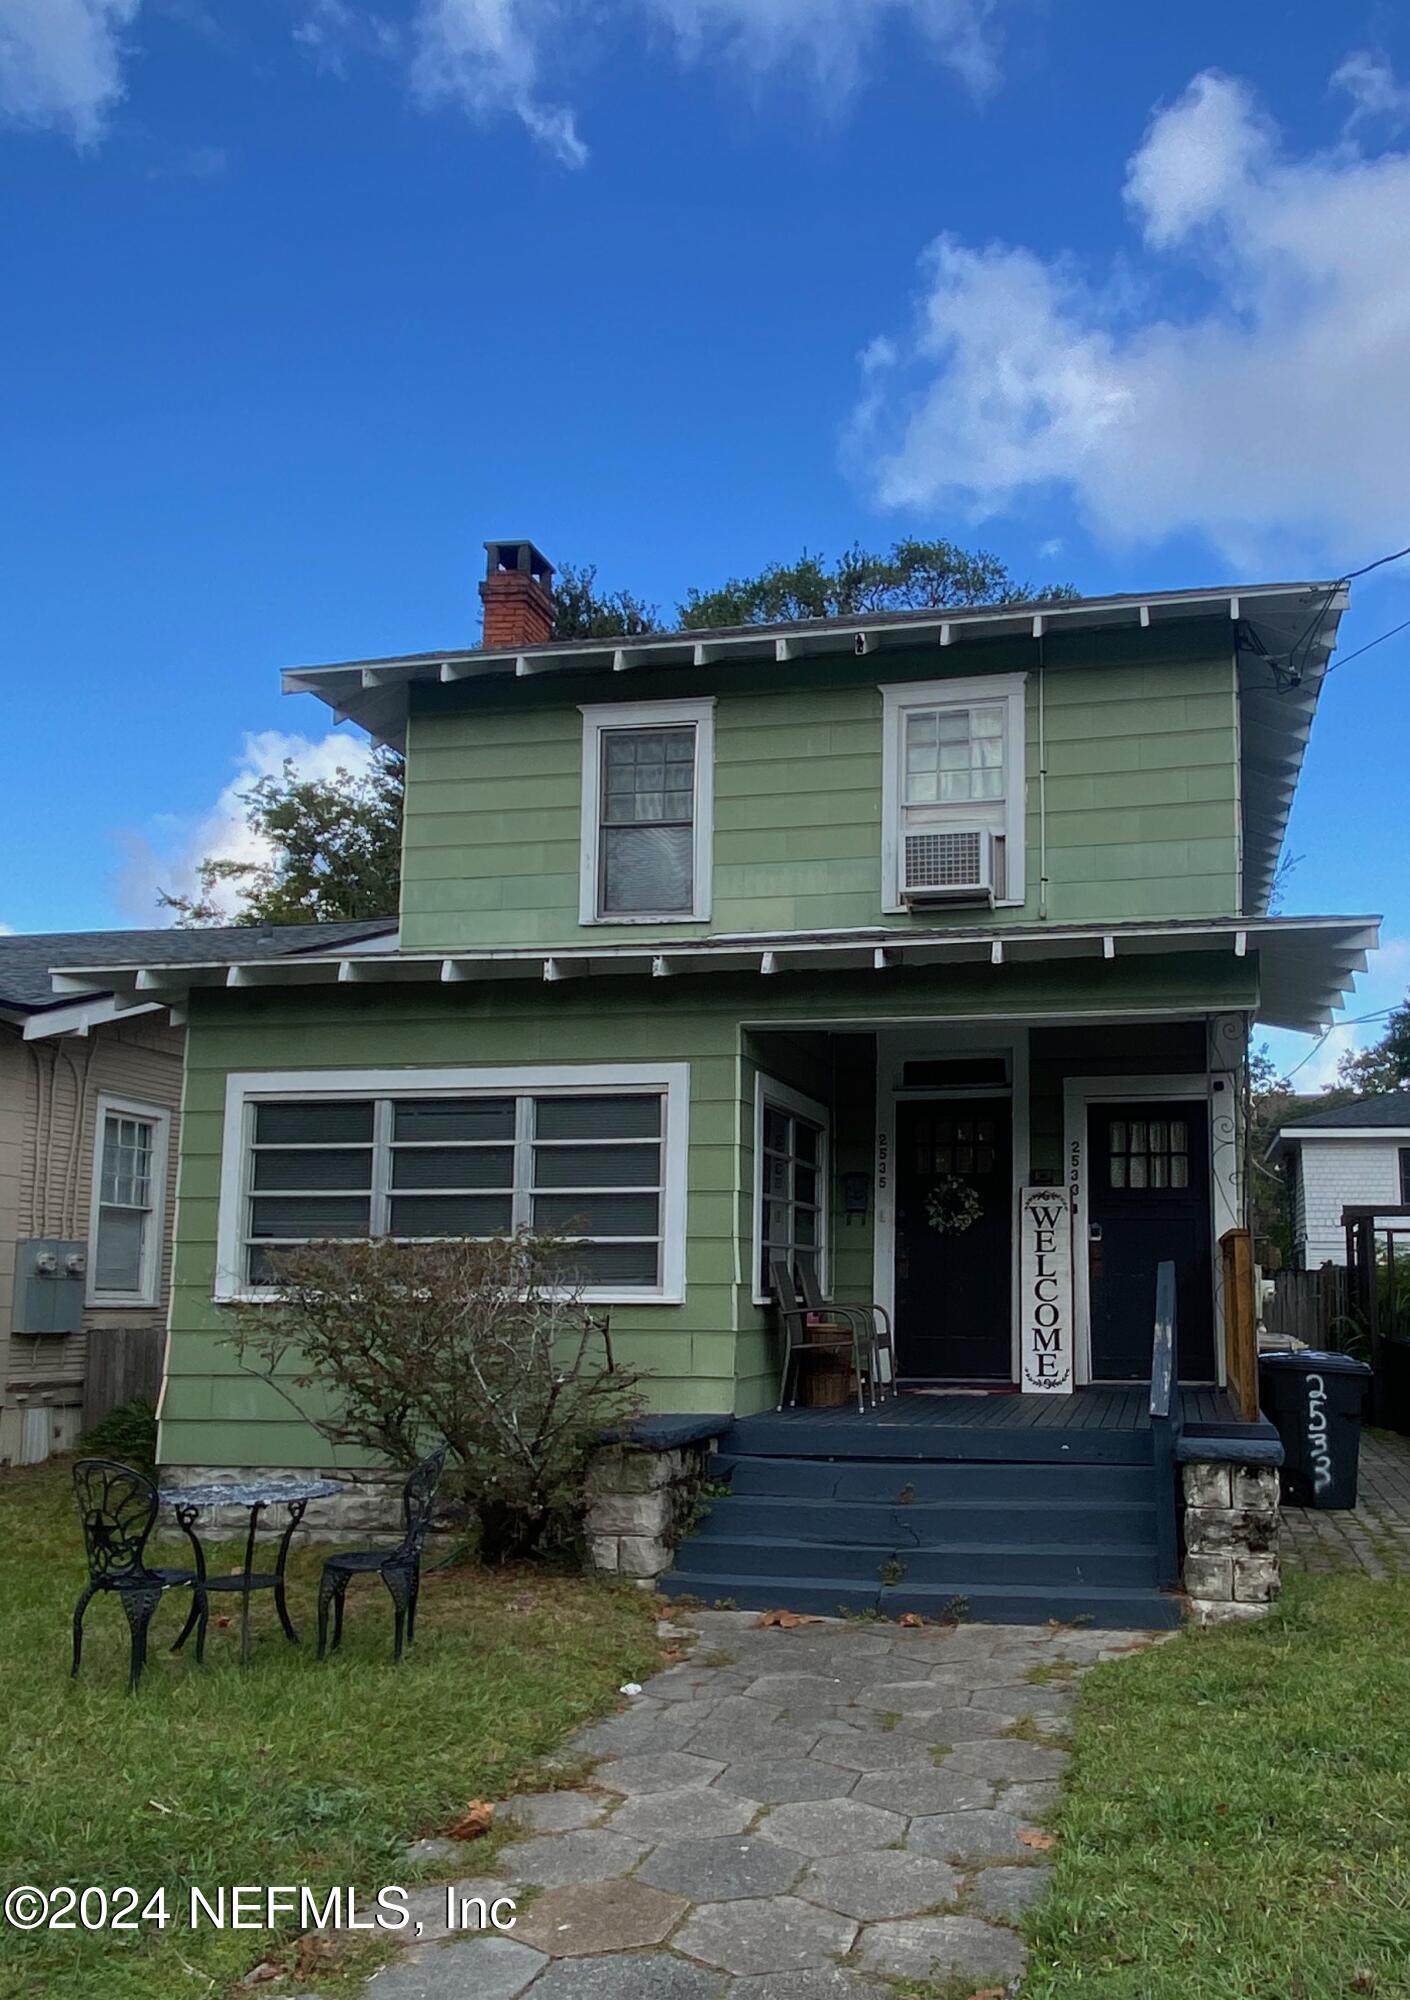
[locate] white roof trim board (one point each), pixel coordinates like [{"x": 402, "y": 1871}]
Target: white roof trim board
[
  {"x": 1271, "y": 620},
  {"x": 1306, "y": 964}
]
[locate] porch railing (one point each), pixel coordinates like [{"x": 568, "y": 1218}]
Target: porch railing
[{"x": 1165, "y": 1424}]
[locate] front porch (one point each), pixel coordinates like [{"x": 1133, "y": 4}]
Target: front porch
[{"x": 1097, "y": 1425}]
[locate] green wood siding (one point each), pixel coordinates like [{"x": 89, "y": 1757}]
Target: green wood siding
[
  {"x": 713, "y": 1352},
  {"x": 1142, "y": 792}
]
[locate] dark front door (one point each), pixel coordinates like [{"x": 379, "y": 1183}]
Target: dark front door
[
  {"x": 953, "y": 1281},
  {"x": 1148, "y": 1202}
]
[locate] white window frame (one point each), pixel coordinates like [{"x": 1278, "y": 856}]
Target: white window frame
[
  {"x": 768, "y": 1091},
  {"x": 649, "y": 715},
  {"x": 897, "y": 703},
  {"x": 158, "y": 1117},
  {"x": 671, "y": 1081}
]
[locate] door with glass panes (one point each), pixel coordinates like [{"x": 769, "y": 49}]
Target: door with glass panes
[{"x": 1148, "y": 1204}]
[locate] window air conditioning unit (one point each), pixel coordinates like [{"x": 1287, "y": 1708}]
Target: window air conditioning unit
[{"x": 954, "y": 866}]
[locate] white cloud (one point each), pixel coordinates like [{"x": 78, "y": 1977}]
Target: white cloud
[
  {"x": 1371, "y": 84},
  {"x": 1272, "y": 414},
  {"x": 488, "y": 57},
  {"x": 829, "y": 40},
  {"x": 484, "y": 56},
  {"x": 167, "y": 856},
  {"x": 61, "y": 63}
]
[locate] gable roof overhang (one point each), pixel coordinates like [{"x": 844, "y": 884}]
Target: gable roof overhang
[
  {"x": 1306, "y": 964},
  {"x": 1283, "y": 634}
]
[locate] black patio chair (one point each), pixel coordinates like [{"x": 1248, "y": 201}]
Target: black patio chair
[
  {"x": 803, "y": 1336},
  {"x": 399, "y": 1568},
  {"x": 874, "y": 1320},
  {"x": 118, "y": 1509}
]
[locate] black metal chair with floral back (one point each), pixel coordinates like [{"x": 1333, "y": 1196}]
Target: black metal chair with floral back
[
  {"x": 399, "y": 1568},
  {"x": 118, "y": 1509}
]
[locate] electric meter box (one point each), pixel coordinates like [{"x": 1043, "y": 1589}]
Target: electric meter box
[{"x": 51, "y": 1278}]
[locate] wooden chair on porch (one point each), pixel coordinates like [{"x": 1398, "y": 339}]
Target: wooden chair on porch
[
  {"x": 804, "y": 1337},
  {"x": 874, "y": 1320}
]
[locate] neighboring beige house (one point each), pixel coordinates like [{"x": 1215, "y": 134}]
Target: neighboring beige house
[{"x": 90, "y": 1098}]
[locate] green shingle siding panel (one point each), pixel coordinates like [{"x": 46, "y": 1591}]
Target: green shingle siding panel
[{"x": 1141, "y": 757}]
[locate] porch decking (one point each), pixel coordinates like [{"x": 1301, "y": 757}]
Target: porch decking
[{"x": 1094, "y": 1426}]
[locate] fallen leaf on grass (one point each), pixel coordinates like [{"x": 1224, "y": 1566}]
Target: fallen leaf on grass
[
  {"x": 474, "y": 1821},
  {"x": 1364, "y": 1981},
  {"x": 261, "y": 1974},
  {"x": 315, "y": 1954},
  {"x": 1041, "y": 1842},
  {"x": 910, "y": 1619},
  {"x": 786, "y": 1620}
]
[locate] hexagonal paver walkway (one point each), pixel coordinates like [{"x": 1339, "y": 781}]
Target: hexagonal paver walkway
[{"x": 814, "y": 1815}]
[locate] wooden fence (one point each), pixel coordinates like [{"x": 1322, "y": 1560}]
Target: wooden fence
[
  {"x": 1310, "y": 1306},
  {"x": 123, "y": 1362}
]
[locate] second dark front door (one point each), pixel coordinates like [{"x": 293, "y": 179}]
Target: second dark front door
[
  {"x": 954, "y": 1197},
  {"x": 1149, "y": 1203}
]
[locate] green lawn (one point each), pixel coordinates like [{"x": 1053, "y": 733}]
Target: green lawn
[
  {"x": 285, "y": 1772},
  {"x": 1238, "y": 1821}
]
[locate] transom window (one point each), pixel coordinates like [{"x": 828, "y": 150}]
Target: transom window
[
  {"x": 128, "y": 1199},
  {"x": 791, "y": 1180},
  {"x": 588, "y": 1167},
  {"x": 1148, "y": 1153},
  {"x": 647, "y": 812}
]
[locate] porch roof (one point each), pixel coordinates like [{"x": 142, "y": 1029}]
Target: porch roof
[
  {"x": 1282, "y": 635},
  {"x": 1306, "y": 964}
]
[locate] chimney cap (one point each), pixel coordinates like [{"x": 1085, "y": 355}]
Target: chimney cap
[{"x": 517, "y": 553}]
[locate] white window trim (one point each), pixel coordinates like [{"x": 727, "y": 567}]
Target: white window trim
[
  {"x": 246, "y": 1088},
  {"x": 649, "y": 715},
  {"x": 896, "y": 702},
  {"x": 769, "y": 1091},
  {"x": 159, "y": 1118}
]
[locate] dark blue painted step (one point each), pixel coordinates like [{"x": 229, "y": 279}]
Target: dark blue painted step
[
  {"x": 995, "y": 1522},
  {"x": 884, "y": 1480},
  {"x": 799, "y": 1434},
  {"x": 948, "y": 1566},
  {"x": 1113, "y": 1609}
]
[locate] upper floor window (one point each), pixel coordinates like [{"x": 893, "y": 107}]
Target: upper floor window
[
  {"x": 647, "y": 812},
  {"x": 128, "y": 1204},
  {"x": 1405, "y": 1175},
  {"x": 953, "y": 798}
]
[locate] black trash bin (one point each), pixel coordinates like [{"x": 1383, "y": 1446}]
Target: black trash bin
[{"x": 1314, "y": 1402}]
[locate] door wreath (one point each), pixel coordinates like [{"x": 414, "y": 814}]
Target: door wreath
[{"x": 952, "y": 1206}]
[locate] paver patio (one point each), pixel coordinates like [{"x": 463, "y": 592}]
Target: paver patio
[
  {"x": 1374, "y": 1535},
  {"x": 801, "y": 1814}
]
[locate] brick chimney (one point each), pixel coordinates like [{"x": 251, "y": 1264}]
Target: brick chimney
[{"x": 517, "y": 594}]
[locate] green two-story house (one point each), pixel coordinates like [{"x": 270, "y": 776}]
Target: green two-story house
[{"x": 863, "y": 940}]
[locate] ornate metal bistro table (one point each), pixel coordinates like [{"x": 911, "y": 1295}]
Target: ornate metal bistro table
[{"x": 187, "y": 1502}]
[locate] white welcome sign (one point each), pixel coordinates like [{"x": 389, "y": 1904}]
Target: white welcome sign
[{"x": 1045, "y": 1297}]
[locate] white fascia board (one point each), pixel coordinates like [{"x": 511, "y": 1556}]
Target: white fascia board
[{"x": 83, "y": 1015}]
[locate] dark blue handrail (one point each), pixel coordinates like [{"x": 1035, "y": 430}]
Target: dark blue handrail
[{"x": 1165, "y": 1423}]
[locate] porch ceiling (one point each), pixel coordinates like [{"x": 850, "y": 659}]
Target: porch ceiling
[{"x": 1306, "y": 964}]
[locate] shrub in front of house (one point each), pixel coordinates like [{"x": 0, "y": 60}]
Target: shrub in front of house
[{"x": 392, "y": 1347}]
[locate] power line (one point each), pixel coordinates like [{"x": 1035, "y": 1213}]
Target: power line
[
  {"x": 1379, "y": 563},
  {"x": 1357, "y": 1021},
  {"x": 1347, "y": 658}
]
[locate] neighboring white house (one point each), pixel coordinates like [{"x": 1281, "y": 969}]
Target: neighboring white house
[{"x": 1356, "y": 1154}]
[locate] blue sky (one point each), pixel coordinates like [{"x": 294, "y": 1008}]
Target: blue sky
[{"x": 305, "y": 298}]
